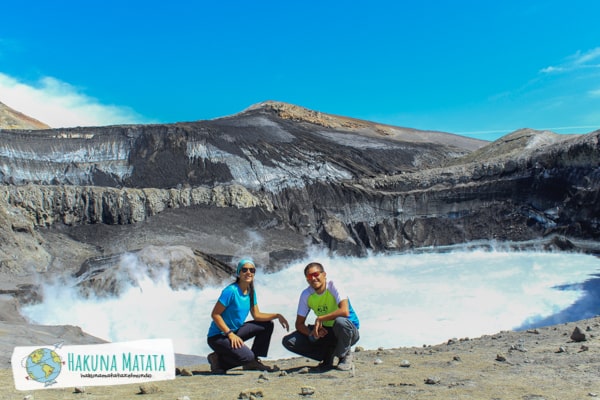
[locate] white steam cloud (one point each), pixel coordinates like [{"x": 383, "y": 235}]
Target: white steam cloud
[
  {"x": 61, "y": 105},
  {"x": 401, "y": 300}
]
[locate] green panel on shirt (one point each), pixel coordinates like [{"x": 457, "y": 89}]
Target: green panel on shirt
[{"x": 323, "y": 304}]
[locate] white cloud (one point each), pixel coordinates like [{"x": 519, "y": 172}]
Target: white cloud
[
  {"x": 576, "y": 61},
  {"x": 61, "y": 105},
  {"x": 582, "y": 59},
  {"x": 551, "y": 69},
  {"x": 594, "y": 93}
]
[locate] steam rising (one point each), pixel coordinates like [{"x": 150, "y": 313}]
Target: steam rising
[{"x": 401, "y": 300}]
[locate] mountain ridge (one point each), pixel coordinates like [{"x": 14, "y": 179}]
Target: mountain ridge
[
  {"x": 301, "y": 114},
  {"x": 13, "y": 119}
]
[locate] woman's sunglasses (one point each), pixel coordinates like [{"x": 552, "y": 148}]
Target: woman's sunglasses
[
  {"x": 313, "y": 275},
  {"x": 252, "y": 270}
]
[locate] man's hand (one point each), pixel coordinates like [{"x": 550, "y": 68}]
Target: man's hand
[{"x": 318, "y": 331}]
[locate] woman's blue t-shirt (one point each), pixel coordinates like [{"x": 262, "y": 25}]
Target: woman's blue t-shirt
[{"x": 237, "y": 308}]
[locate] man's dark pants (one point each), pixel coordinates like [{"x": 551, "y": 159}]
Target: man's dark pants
[{"x": 338, "y": 341}]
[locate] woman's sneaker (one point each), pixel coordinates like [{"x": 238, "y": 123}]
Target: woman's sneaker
[
  {"x": 215, "y": 366},
  {"x": 257, "y": 365}
]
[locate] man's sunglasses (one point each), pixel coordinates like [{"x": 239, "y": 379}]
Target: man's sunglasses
[
  {"x": 252, "y": 270},
  {"x": 313, "y": 275}
]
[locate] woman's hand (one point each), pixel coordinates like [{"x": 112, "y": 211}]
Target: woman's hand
[
  {"x": 283, "y": 322},
  {"x": 236, "y": 341}
]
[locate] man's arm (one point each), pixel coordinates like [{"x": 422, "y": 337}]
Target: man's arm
[
  {"x": 317, "y": 332},
  {"x": 301, "y": 325},
  {"x": 342, "y": 311}
]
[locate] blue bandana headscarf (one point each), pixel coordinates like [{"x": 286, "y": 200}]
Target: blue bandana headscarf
[{"x": 243, "y": 262}]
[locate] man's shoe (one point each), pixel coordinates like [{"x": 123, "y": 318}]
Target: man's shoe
[
  {"x": 257, "y": 365},
  {"x": 215, "y": 366},
  {"x": 345, "y": 363},
  {"x": 323, "y": 366}
]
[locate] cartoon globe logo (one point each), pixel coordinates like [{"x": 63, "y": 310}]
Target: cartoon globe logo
[{"x": 43, "y": 365}]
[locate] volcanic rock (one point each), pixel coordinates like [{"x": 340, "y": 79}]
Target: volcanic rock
[
  {"x": 578, "y": 335},
  {"x": 349, "y": 185},
  {"x": 272, "y": 182}
]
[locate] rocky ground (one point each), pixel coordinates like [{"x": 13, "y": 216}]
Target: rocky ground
[{"x": 546, "y": 363}]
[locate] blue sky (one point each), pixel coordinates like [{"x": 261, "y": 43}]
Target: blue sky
[{"x": 477, "y": 68}]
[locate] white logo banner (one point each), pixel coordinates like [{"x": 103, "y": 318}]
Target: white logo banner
[{"x": 57, "y": 366}]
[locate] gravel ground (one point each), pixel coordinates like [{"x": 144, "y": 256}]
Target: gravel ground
[{"x": 544, "y": 363}]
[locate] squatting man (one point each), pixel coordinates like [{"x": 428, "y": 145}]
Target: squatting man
[{"x": 335, "y": 329}]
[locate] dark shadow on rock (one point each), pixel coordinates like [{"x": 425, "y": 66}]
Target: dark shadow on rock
[
  {"x": 296, "y": 370},
  {"x": 587, "y": 306}
]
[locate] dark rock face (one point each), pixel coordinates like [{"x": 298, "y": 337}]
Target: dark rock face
[
  {"x": 178, "y": 265},
  {"x": 277, "y": 179},
  {"x": 256, "y": 150}
]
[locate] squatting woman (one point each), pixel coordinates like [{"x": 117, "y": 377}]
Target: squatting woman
[{"x": 229, "y": 330}]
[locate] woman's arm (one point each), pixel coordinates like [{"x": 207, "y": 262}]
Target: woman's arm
[
  {"x": 261, "y": 316},
  {"x": 236, "y": 341}
]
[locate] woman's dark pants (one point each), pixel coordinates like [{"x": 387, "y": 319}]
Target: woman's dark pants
[{"x": 230, "y": 357}]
